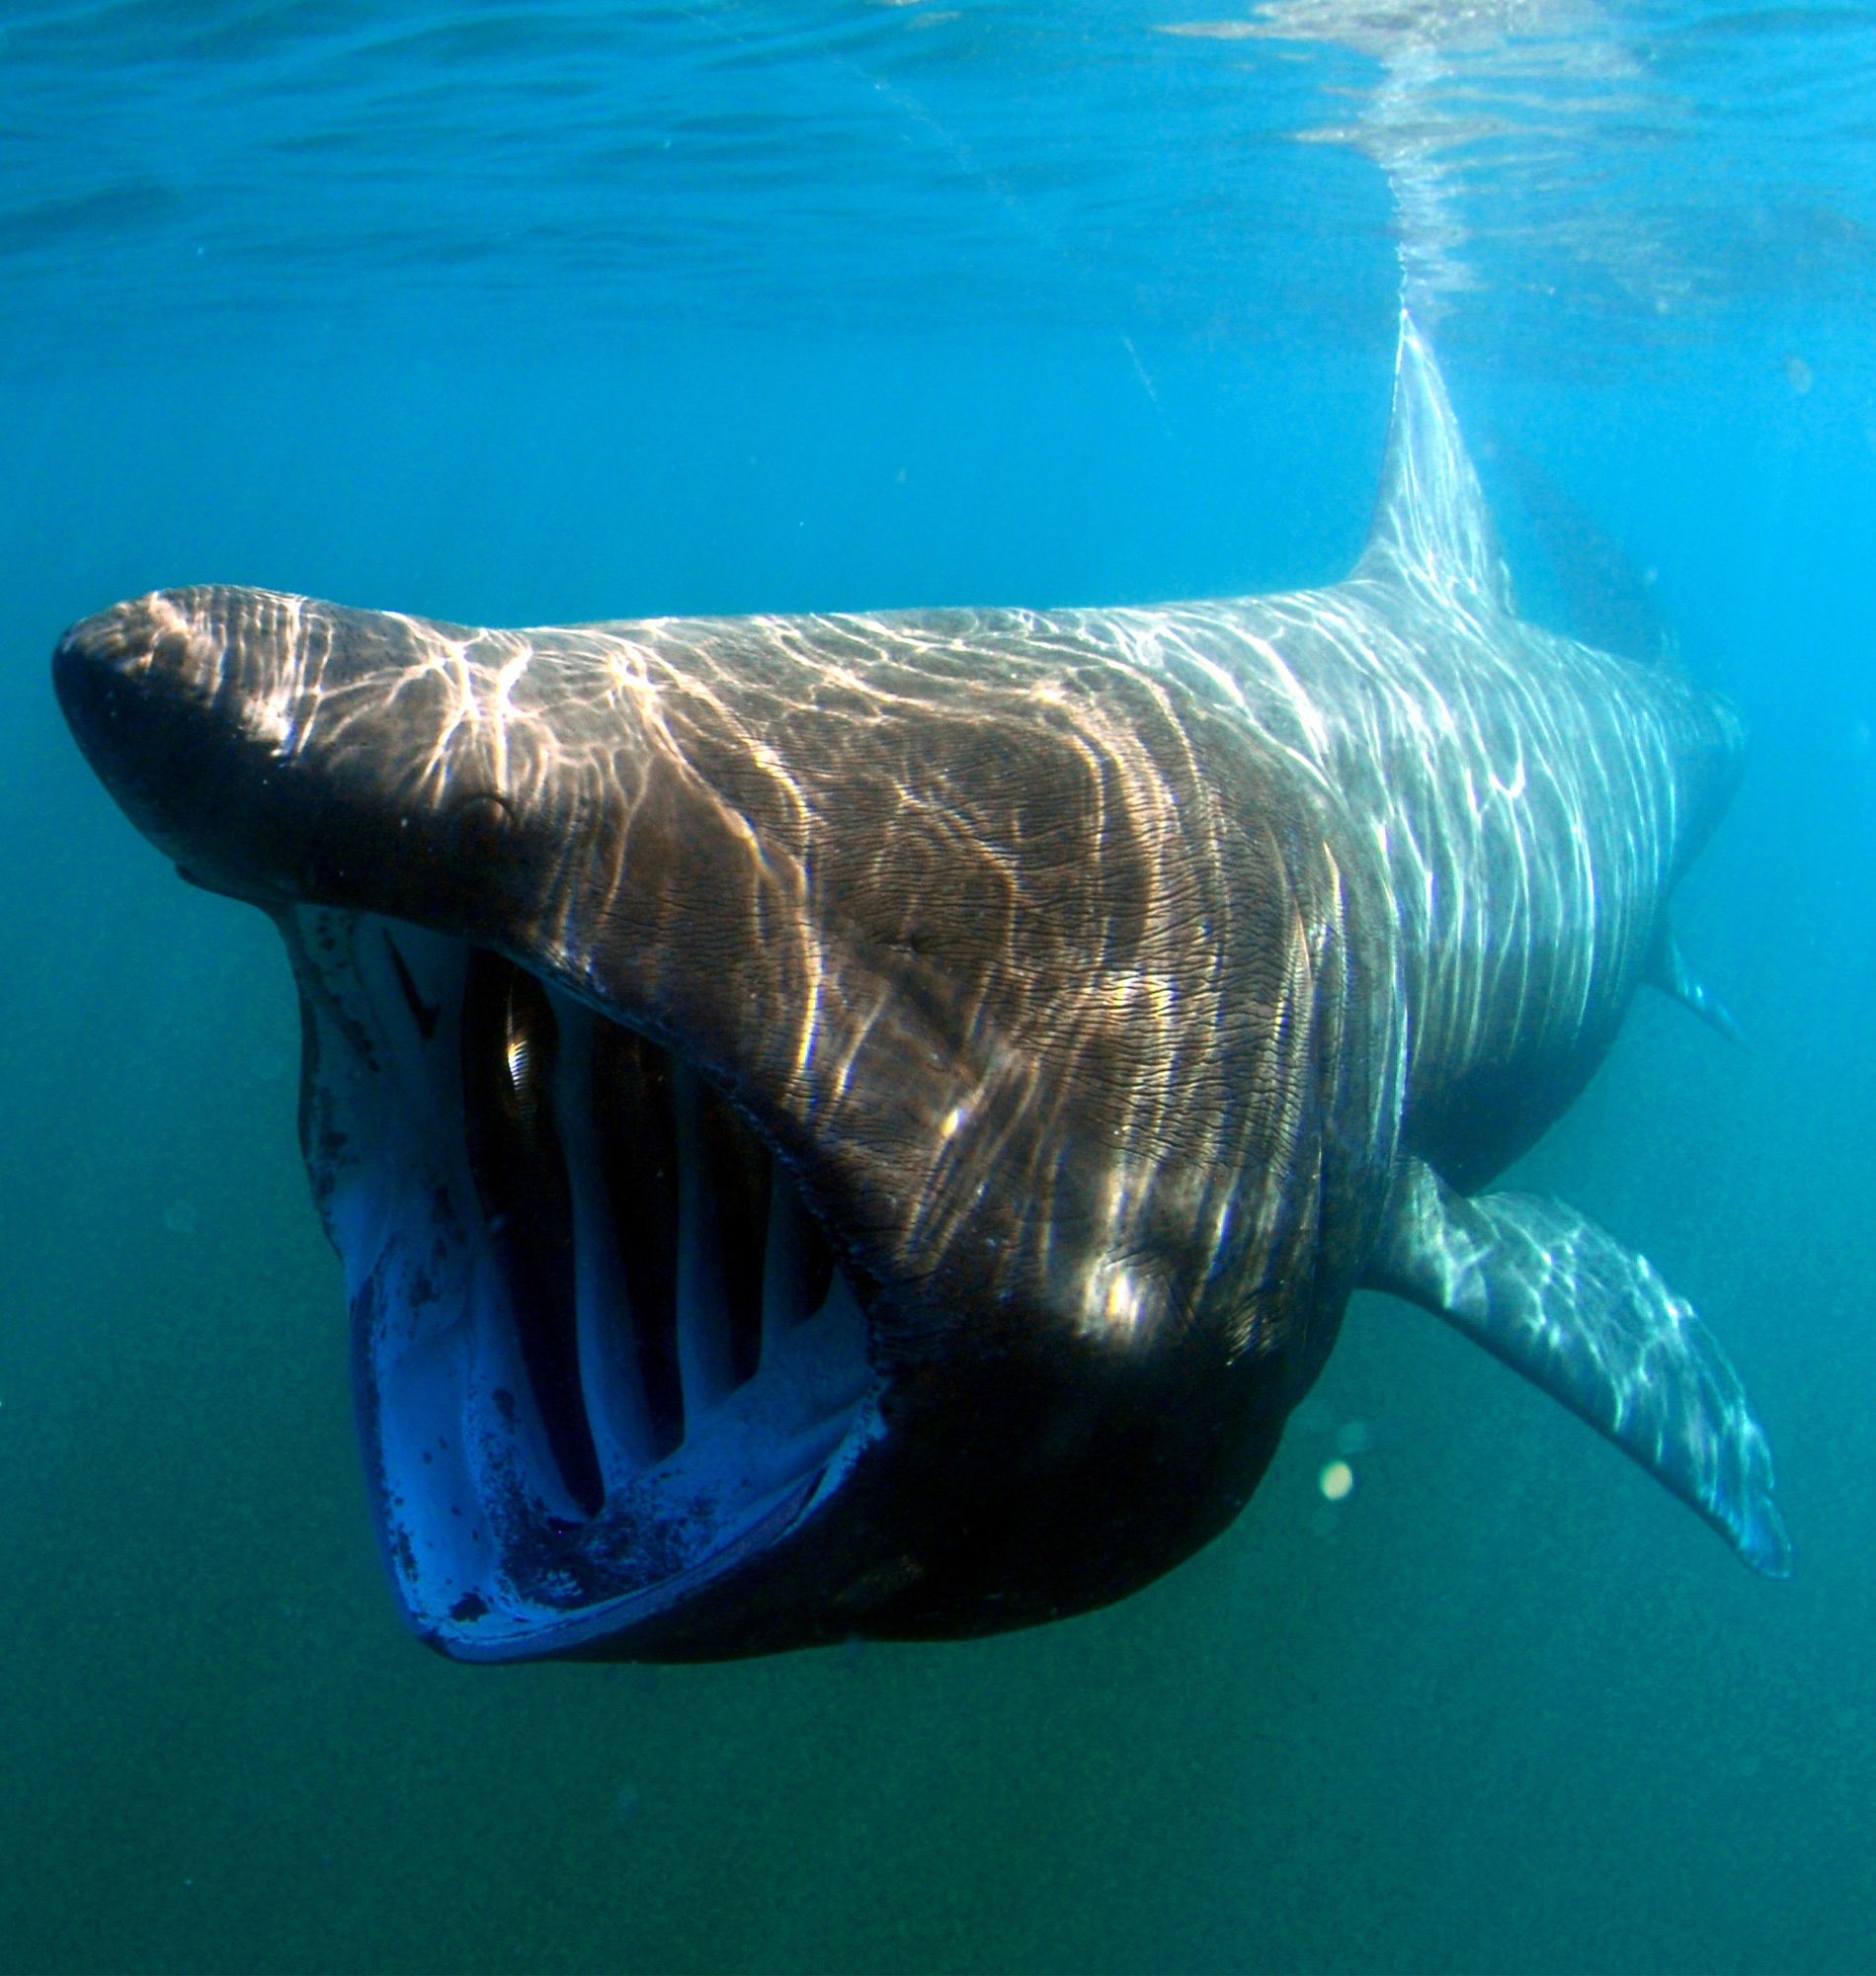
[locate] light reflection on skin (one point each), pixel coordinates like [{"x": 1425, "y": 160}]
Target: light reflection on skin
[
  {"x": 1120, "y": 988},
  {"x": 1433, "y": 794}
]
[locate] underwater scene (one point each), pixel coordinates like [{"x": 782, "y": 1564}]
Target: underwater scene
[{"x": 1271, "y": 540}]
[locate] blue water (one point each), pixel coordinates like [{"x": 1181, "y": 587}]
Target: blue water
[{"x": 511, "y": 313}]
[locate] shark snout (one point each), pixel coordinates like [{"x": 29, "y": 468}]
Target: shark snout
[
  {"x": 95, "y": 674},
  {"x": 276, "y": 749},
  {"x": 144, "y": 686},
  {"x": 222, "y": 651},
  {"x": 186, "y": 702},
  {"x": 105, "y": 670}
]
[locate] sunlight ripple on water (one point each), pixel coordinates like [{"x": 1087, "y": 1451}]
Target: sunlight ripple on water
[{"x": 744, "y": 162}]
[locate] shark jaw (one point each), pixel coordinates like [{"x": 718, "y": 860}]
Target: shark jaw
[
  {"x": 603, "y": 1352},
  {"x": 798, "y": 1176}
]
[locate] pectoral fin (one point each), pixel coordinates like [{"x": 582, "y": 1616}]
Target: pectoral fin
[
  {"x": 1593, "y": 1324},
  {"x": 1668, "y": 970}
]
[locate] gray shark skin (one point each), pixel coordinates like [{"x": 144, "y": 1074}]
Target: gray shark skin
[{"x": 868, "y": 1125}]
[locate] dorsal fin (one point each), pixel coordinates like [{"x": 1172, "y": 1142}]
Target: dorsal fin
[{"x": 1430, "y": 524}]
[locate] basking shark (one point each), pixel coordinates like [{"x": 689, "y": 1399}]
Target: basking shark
[{"x": 868, "y": 1125}]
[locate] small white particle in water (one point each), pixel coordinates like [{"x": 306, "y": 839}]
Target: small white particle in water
[{"x": 1336, "y": 1481}]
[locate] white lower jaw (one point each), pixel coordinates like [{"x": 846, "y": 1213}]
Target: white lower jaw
[{"x": 491, "y": 1555}]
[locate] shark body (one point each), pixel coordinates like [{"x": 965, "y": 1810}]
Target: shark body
[{"x": 868, "y": 1125}]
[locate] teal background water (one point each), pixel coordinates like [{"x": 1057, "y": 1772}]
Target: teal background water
[{"x": 523, "y": 314}]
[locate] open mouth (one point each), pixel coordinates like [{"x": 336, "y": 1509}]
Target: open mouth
[{"x": 603, "y": 1349}]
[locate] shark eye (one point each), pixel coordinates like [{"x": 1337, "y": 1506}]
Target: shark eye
[{"x": 476, "y": 821}]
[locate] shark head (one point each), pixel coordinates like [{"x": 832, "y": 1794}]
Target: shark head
[{"x": 826, "y": 1122}]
